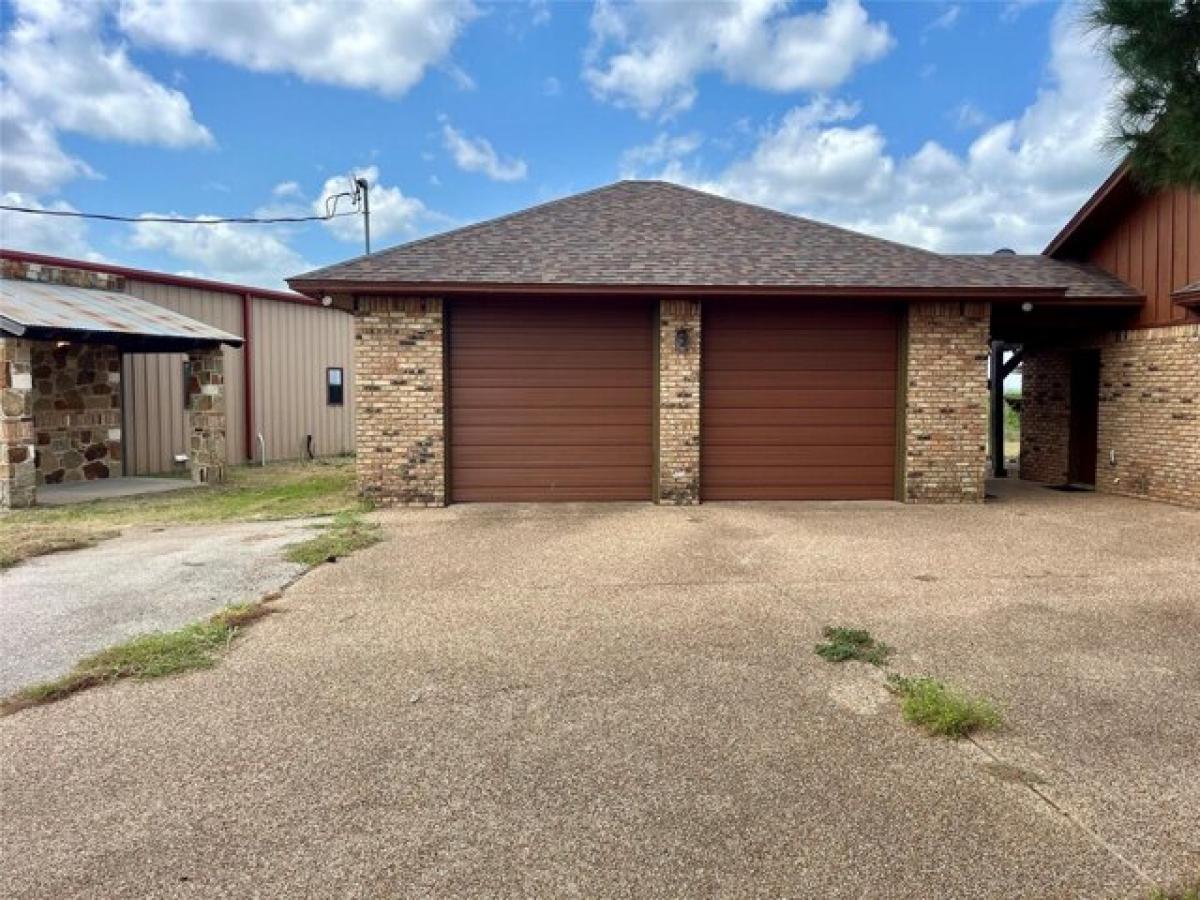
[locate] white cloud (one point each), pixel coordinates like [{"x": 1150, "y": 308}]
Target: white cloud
[
  {"x": 286, "y": 189},
  {"x": 967, "y": 115},
  {"x": 648, "y": 55},
  {"x": 663, "y": 150},
  {"x": 52, "y": 235},
  {"x": 381, "y": 45},
  {"x": 947, "y": 19},
  {"x": 478, "y": 155},
  {"x": 1016, "y": 184},
  {"x": 245, "y": 254},
  {"x": 551, "y": 87},
  {"x": 30, "y": 158},
  {"x": 392, "y": 213},
  {"x": 55, "y": 59}
]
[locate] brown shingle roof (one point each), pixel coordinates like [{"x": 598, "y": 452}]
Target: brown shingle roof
[
  {"x": 1188, "y": 295},
  {"x": 1080, "y": 279},
  {"x": 653, "y": 233}
]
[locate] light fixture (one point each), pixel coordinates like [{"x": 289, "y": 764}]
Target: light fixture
[
  {"x": 327, "y": 300},
  {"x": 682, "y": 339},
  {"x": 1026, "y": 306}
]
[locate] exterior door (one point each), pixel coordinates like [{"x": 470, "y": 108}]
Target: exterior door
[
  {"x": 550, "y": 399},
  {"x": 799, "y": 401},
  {"x": 1085, "y": 417}
]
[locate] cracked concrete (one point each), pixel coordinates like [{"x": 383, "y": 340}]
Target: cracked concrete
[{"x": 623, "y": 700}]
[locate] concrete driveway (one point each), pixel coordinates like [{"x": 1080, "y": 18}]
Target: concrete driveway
[
  {"x": 623, "y": 701},
  {"x": 56, "y": 609}
]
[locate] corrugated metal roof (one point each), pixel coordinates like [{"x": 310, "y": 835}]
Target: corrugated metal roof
[{"x": 34, "y": 305}]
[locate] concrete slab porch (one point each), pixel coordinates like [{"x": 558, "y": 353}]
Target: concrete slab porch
[{"x": 106, "y": 489}]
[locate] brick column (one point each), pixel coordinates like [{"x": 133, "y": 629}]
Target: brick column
[
  {"x": 678, "y": 402},
  {"x": 206, "y": 415},
  {"x": 1045, "y": 414},
  {"x": 946, "y": 402},
  {"x": 18, "y": 473},
  {"x": 399, "y": 383}
]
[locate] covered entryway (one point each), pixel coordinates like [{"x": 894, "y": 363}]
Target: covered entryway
[
  {"x": 799, "y": 401},
  {"x": 550, "y": 400}
]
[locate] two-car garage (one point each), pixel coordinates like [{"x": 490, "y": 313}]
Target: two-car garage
[{"x": 554, "y": 399}]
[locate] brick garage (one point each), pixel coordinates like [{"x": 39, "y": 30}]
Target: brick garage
[{"x": 821, "y": 401}]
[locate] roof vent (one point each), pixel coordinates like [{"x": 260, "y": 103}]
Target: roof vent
[{"x": 1005, "y": 251}]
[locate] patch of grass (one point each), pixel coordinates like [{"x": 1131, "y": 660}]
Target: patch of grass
[
  {"x": 277, "y": 491},
  {"x": 943, "y": 710},
  {"x": 341, "y": 537},
  {"x": 1187, "y": 891},
  {"x": 195, "y": 646},
  {"x": 842, "y": 644}
]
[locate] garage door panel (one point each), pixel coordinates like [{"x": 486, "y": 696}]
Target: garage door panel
[
  {"x": 785, "y": 398},
  {"x": 473, "y": 358},
  {"x": 548, "y": 477},
  {"x": 717, "y": 419},
  {"x": 516, "y": 398},
  {"x": 553, "y": 415},
  {"x": 766, "y": 455},
  {"x": 798, "y": 435},
  {"x": 534, "y": 457},
  {"x": 552, "y": 378},
  {"x": 550, "y": 400},
  {"x": 798, "y": 402},
  {"x": 823, "y": 359},
  {"x": 798, "y": 379},
  {"x": 809, "y": 476}
]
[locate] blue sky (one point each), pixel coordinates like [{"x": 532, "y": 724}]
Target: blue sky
[{"x": 960, "y": 126}]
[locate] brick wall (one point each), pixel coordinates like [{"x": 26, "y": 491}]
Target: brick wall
[
  {"x": 946, "y": 400},
  {"x": 1045, "y": 415},
  {"x": 679, "y": 402},
  {"x": 1150, "y": 414},
  {"x": 76, "y": 411},
  {"x": 400, "y": 421},
  {"x": 18, "y": 480}
]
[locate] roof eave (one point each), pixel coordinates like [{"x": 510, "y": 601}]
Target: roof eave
[
  {"x": 999, "y": 293},
  {"x": 1102, "y": 193},
  {"x": 146, "y": 343}
]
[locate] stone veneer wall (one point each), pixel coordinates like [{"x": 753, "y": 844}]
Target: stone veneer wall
[
  {"x": 18, "y": 479},
  {"x": 678, "y": 403},
  {"x": 946, "y": 402},
  {"x": 1150, "y": 414},
  {"x": 400, "y": 402},
  {"x": 207, "y": 422},
  {"x": 76, "y": 411},
  {"x": 84, "y": 278},
  {"x": 1045, "y": 415}
]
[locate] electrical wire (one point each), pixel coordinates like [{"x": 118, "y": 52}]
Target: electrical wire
[{"x": 239, "y": 220}]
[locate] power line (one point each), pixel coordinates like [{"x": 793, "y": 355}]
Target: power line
[{"x": 238, "y": 220}]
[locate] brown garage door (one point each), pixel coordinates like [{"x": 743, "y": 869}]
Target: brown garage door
[
  {"x": 550, "y": 400},
  {"x": 799, "y": 402}
]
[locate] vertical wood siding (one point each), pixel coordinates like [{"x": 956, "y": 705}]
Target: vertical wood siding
[
  {"x": 1155, "y": 247},
  {"x": 155, "y": 423},
  {"x": 293, "y": 345}
]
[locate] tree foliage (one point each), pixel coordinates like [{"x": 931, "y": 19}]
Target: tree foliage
[{"x": 1155, "y": 45}]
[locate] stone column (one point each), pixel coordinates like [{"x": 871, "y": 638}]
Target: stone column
[
  {"x": 18, "y": 473},
  {"x": 678, "y": 461},
  {"x": 206, "y": 415},
  {"x": 400, "y": 402},
  {"x": 946, "y": 402}
]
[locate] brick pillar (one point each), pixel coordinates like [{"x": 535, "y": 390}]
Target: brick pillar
[
  {"x": 946, "y": 402},
  {"x": 18, "y": 473},
  {"x": 400, "y": 403},
  {"x": 1045, "y": 414},
  {"x": 678, "y": 461},
  {"x": 206, "y": 415}
]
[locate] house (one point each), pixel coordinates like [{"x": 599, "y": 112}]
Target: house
[
  {"x": 646, "y": 341},
  {"x": 1115, "y": 402},
  {"x": 101, "y": 371}
]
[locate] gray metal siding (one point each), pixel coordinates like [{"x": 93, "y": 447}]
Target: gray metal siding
[{"x": 293, "y": 345}]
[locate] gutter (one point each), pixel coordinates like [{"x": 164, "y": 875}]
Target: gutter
[{"x": 248, "y": 374}]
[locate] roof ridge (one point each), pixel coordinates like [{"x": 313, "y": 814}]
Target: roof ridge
[{"x": 462, "y": 229}]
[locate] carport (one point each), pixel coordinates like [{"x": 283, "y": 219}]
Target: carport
[{"x": 61, "y": 396}]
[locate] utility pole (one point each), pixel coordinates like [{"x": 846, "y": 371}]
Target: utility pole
[{"x": 361, "y": 184}]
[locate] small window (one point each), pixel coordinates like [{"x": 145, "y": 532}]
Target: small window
[{"x": 333, "y": 386}]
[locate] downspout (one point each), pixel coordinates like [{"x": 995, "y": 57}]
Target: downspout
[{"x": 248, "y": 376}]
